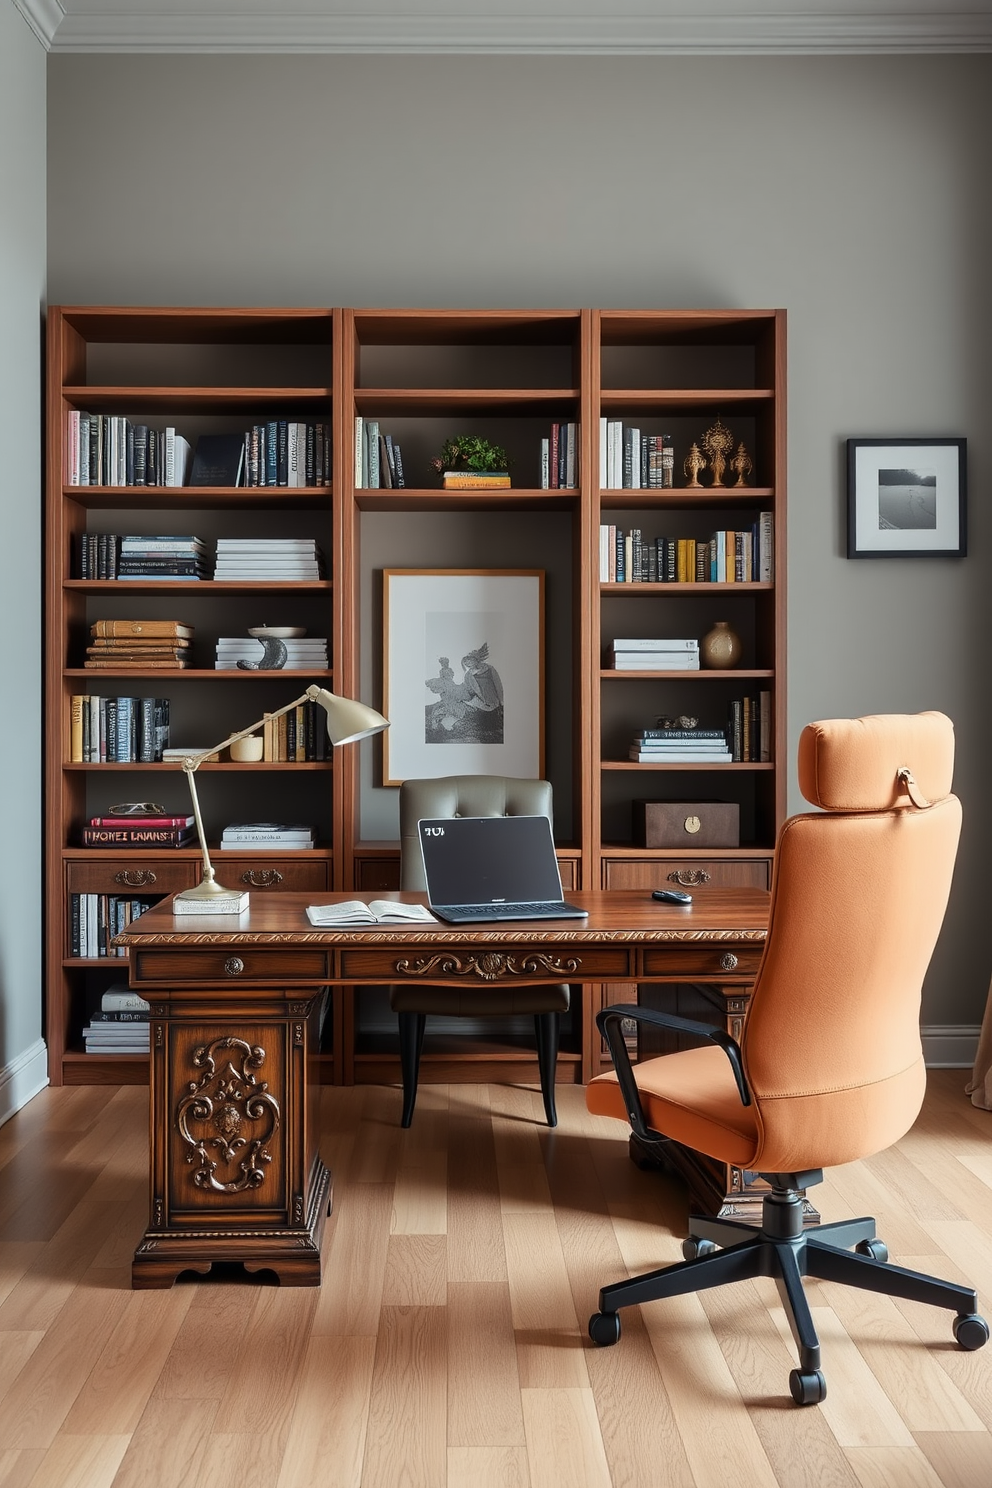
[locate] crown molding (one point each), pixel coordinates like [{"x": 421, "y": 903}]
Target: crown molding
[{"x": 574, "y": 35}]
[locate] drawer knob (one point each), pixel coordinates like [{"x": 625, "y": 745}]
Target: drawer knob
[
  {"x": 689, "y": 877},
  {"x": 261, "y": 878},
  {"x": 135, "y": 878},
  {"x": 728, "y": 961},
  {"x": 234, "y": 966}
]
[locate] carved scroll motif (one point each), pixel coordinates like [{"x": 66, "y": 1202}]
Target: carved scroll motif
[
  {"x": 491, "y": 966},
  {"x": 227, "y": 1117}
]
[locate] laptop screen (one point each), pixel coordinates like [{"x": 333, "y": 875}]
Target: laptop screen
[{"x": 489, "y": 859}]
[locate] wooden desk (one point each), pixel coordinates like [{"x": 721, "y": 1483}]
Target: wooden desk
[{"x": 236, "y": 1174}]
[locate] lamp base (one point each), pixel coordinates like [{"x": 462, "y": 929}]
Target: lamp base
[{"x": 223, "y": 901}]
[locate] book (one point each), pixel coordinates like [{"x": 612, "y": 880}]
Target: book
[
  {"x": 643, "y": 643},
  {"x": 661, "y": 733},
  {"x": 120, "y": 1015},
  {"x": 120, "y": 999},
  {"x": 474, "y": 480},
  {"x": 234, "y": 905},
  {"x": 376, "y": 912},
  {"x": 690, "y": 757},
  {"x": 138, "y": 837},
  {"x": 141, "y": 821},
  {"x": 140, "y": 627}
]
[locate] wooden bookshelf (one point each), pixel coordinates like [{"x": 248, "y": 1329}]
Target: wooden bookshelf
[{"x": 424, "y": 375}]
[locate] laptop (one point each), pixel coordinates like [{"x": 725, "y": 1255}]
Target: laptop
[{"x": 490, "y": 868}]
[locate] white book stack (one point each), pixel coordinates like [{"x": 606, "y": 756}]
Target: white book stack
[
  {"x": 308, "y": 654},
  {"x": 267, "y": 560},
  {"x": 680, "y": 747},
  {"x": 267, "y": 836},
  {"x": 645, "y": 654},
  {"x": 121, "y": 1026}
]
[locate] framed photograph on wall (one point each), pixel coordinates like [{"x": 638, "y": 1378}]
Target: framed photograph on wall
[
  {"x": 906, "y": 498},
  {"x": 463, "y": 672}
]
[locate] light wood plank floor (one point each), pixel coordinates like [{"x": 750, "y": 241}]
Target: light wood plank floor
[{"x": 447, "y": 1345}]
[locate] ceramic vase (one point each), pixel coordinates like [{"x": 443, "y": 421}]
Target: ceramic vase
[{"x": 721, "y": 648}]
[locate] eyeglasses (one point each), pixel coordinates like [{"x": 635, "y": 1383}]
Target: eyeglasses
[{"x": 137, "y": 808}]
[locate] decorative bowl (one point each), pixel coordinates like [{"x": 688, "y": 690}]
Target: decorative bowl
[{"x": 277, "y": 632}]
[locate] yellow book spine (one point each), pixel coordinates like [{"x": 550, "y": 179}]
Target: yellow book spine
[{"x": 76, "y": 728}]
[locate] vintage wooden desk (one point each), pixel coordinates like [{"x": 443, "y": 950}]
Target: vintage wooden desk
[{"x": 236, "y": 1174}]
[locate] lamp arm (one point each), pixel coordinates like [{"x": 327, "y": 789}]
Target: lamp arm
[{"x": 194, "y": 761}]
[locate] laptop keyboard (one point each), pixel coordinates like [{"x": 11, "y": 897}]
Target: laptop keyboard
[{"x": 543, "y": 910}]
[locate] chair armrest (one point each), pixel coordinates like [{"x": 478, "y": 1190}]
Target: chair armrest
[{"x": 608, "y": 1021}]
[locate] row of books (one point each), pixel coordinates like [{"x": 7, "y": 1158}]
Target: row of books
[
  {"x": 630, "y": 460},
  {"x": 749, "y": 728},
  {"x": 653, "y": 654},
  {"x": 109, "y": 450},
  {"x": 114, "y": 555},
  {"x": 268, "y": 559},
  {"x": 120, "y": 1025},
  {"x": 302, "y": 653},
  {"x": 269, "y": 836},
  {"x": 378, "y": 457},
  {"x": 94, "y": 920},
  {"x": 560, "y": 457},
  {"x": 106, "y": 449},
  {"x": 743, "y": 556},
  {"x": 299, "y": 735},
  {"x": 131, "y": 828},
  {"x": 697, "y": 746},
  {"x": 279, "y": 452},
  {"x": 117, "y": 730}
]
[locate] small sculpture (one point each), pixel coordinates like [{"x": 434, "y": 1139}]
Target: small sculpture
[
  {"x": 717, "y": 443},
  {"x": 691, "y": 466},
  {"x": 742, "y": 464},
  {"x": 682, "y": 721}
]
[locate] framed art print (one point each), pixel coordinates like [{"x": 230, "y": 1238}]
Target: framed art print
[
  {"x": 463, "y": 673},
  {"x": 906, "y": 498}
]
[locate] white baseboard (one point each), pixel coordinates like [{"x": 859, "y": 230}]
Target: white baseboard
[
  {"x": 22, "y": 1079},
  {"x": 950, "y": 1046}
]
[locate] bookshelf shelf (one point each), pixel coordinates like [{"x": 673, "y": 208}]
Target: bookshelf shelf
[{"x": 423, "y": 375}]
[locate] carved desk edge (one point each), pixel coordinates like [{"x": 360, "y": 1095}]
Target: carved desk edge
[{"x": 215, "y": 938}]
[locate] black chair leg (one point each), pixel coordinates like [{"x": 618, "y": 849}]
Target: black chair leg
[
  {"x": 548, "y": 1027},
  {"x": 411, "y": 1027}
]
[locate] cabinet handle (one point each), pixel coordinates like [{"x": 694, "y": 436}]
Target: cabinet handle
[
  {"x": 261, "y": 878},
  {"x": 689, "y": 877},
  {"x": 135, "y": 878},
  {"x": 728, "y": 961},
  {"x": 234, "y": 966}
]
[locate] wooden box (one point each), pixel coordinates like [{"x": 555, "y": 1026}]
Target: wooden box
[{"x": 687, "y": 823}]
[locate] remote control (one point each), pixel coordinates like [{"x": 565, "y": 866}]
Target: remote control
[{"x": 671, "y": 896}]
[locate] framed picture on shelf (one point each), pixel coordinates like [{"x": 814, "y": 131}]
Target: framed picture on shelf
[
  {"x": 906, "y": 498},
  {"x": 463, "y": 672}
]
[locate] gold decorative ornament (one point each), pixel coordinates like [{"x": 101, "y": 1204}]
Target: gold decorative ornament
[
  {"x": 692, "y": 825},
  {"x": 742, "y": 465},
  {"x": 717, "y": 443},
  {"x": 693, "y": 463}
]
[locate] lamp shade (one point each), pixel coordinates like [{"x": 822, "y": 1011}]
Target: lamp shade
[{"x": 347, "y": 719}]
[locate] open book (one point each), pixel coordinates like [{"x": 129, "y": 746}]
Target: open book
[{"x": 378, "y": 911}]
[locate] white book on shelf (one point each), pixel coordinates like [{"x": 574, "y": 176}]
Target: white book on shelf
[
  {"x": 603, "y": 461},
  {"x": 359, "y": 450},
  {"x": 655, "y": 643}
]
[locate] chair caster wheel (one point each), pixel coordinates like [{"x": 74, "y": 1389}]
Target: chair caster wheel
[
  {"x": 692, "y": 1249},
  {"x": 604, "y": 1328},
  {"x": 970, "y": 1330},
  {"x": 808, "y": 1387},
  {"x": 875, "y": 1250}
]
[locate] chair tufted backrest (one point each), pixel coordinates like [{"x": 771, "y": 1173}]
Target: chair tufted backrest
[{"x": 462, "y": 795}]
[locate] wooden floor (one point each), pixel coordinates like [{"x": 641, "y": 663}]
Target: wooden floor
[{"x": 447, "y": 1345}]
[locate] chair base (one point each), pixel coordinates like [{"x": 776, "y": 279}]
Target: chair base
[
  {"x": 412, "y": 1027},
  {"x": 720, "y": 1251}
]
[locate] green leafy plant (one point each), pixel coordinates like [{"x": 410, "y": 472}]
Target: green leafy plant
[{"x": 470, "y": 452}]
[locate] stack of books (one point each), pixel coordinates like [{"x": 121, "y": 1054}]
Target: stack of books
[
  {"x": 115, "y": 645},
  {"x": 693, "y": 746},
  {"x": 267, "y": 836},
  {"x": 178, "y": 557},
  {"x": 141, "y": 827},
  {"x": 646, "y": 654},
  {"x": 267, "y": 560},
  {"x": 121, "y": 1024},
  {"x": 117, "y": 730},
  {"x": 307, "y": 654}
]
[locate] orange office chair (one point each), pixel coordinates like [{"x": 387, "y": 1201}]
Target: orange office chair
[
  {"x": 471, "y": 795},
  {"x": 830, "y": 1065}
]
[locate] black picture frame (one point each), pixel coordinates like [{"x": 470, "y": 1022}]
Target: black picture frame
[{"x": 906, "y": 498}]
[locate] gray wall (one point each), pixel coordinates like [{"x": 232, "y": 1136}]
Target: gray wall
[
  {"x": 849, "y": 190},
  {"x": 22, "y": 292}
]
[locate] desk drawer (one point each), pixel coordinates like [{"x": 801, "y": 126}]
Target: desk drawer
[
  {"x": 235, "y": 964},
  {"x": 689, "y": 873},
  {"x": 480, "y": 964},
  {"x": 732, "y": 961},
  {"x": 266, "y": 871},
  {"x": 137, "y": 876}
]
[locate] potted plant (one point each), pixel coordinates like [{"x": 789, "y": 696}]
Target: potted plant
[{"x": 468, "y": 460}]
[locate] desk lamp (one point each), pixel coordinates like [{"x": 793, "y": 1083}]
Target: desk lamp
[{"x": 347, "y": 722}]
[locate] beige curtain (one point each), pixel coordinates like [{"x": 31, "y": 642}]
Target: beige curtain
[{"x": 980, "y": 1085}]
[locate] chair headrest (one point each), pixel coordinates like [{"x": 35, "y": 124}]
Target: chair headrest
[{"x": 854, "y": 764}]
